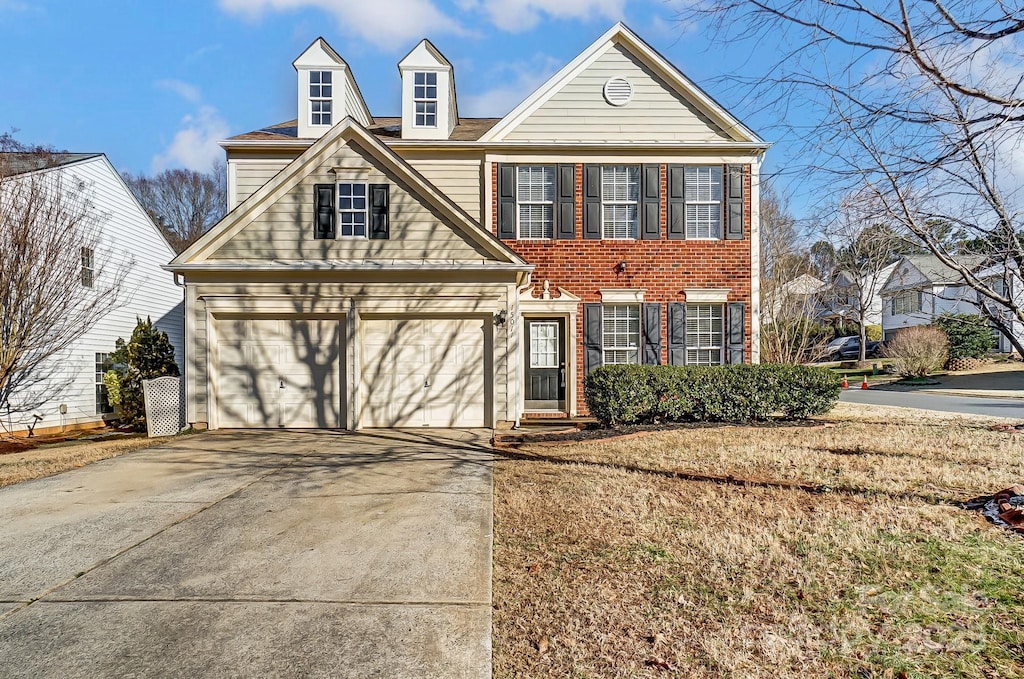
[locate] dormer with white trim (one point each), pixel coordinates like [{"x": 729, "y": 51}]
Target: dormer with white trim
[
  {"x": 327, "y": 92},
  {"x": 429, "y": 110}
]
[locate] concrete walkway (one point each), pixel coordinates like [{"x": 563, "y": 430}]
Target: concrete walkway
[{"x": 246, "y": 554}]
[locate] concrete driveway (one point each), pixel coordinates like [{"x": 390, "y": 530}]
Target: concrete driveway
[{"x": 247, "y": 554}]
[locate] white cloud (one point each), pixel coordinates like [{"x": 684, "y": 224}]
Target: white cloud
[
  {"x": 518, "y": 80},
  {"x": 194, "y": 146},
  {"x": 185, "y": 90},
  {"x": 388, "y": 24},
  {"x": 521, "y": 15}
]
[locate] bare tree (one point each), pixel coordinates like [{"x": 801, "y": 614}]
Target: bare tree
[
  {"x": 183, "y": 203},
  {"x": 919, "y": 101},
  {"x": 790, "y": 293},
  {"x": 56, "y": 281}
]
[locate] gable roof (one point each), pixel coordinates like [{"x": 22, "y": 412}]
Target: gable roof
[
  {"x": 432, "y": 50},
  {"x": 334, "y": 56},
  {"x": 467, "y": 129},
  {"x": 620, "y": 34},
  {"x": 349, "y": 130},
  {"x": 934, "y": 271},
  {"x": 20, "y": 162}
]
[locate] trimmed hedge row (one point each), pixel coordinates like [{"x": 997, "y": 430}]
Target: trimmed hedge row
[{"x": 630, "y": 394}]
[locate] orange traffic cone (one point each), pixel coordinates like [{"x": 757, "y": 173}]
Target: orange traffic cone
[
  {"x": 846, "y": 383},
  {"x": 864, "y": 384}
]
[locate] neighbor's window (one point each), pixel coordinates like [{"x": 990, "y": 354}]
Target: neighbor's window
[
  {"x": 535, "y": 199},
  {"x": 351, "y": 209},
  {"x": 88, "y": 267},
  {"x": 620, "y": 194},
  {"x": 320, "y": 89},
  {"x": 621, "y": 333},
  {"x": 103, "y": 364},
  {"x": 425, "y": 99},
  {"x": 906, "y": 302},
  {"x": 704, "y": 334},
  {"x": 703, "y": 201}
]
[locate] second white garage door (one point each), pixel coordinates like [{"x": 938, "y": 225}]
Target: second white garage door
[{"x": 424, "y": 372}]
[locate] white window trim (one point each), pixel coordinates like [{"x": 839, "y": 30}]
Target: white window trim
[
  {"x": 636, "y": 348},
  {"x": 706, "y": 295},
  {"x": 622, "y": 295},
  {"x": 551, "y": 202},
  {"x": 365, "y": 211},
  {"x": 720, "y": 203},
  {"x": 425, "y": 100},
  {"x": 329, "y": 100},
  {"x": 607, "y": 203}
]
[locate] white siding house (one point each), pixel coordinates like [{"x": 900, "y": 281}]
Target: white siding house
[{"x": 126, "y": 234}]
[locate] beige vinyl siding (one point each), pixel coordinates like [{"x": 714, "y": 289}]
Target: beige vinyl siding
[
  {"x": 460, "y": 180},
  {"x": 283, "y": 231},
  {"x": 198, "y": 375},
  {"x": 579, "y": 112},
  {"x": 353, "y": 105},
  {"x": 250, "y": 175}
]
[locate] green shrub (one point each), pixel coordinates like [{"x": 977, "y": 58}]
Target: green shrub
[
  {"x": 969, "y": 335},
  {"x": 630, "y": 394},
  {"x": 148, "y": 354},
  {"x": 918, "y": 350},
  {"x": 874, "y": 333}
]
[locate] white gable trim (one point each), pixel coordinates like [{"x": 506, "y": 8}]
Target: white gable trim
[
  {"x": 621, "y": 34},
  {"x": 342, "y": 134}
]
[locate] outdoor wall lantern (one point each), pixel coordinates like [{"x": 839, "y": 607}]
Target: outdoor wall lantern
[
  {"x": 500, "y": 318},
  {"x": 621, "y": 267}
]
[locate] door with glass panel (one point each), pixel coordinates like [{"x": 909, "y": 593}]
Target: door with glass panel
[{"x": 545, "y": 363}]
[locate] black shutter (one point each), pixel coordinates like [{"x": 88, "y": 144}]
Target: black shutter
[
  {"x": 652, "y": 334},
  {"x": 736, "y": 334},
  {"x": 734, "y": 203},
  {"x": 380, "y": 227},
  {"x": 676, "y": 202},
  {"x": 323, "y": 212},
  {"x": 565, "y": 211},
  {"x": 920, "y": 301},
  {"x": 592, "y": 201},
  {"x": 893, "y": 303},
  {"x": 677, "y": 333},
  {"x": 650, "y": 194},
  {"x": 592, "y": 336},
  {"x": 506, "y": 201}
]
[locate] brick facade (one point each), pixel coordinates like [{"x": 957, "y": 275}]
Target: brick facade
[{"x": 662, "y": 268}]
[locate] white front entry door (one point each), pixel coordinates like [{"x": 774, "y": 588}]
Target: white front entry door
[{"x": 423, "y": 372}]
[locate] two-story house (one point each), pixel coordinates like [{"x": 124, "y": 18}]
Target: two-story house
[{"x": 436, "y": 270}]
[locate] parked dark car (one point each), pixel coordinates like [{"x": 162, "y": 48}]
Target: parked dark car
[{"x": 848, "y": 349}]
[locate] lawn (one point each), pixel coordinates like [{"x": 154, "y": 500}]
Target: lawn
[
  {"x": 46, "y": 460},
  {"x": 761, "y": 552}
]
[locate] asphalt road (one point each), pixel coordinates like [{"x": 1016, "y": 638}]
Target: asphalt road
[{"x": 948, "y": 404}]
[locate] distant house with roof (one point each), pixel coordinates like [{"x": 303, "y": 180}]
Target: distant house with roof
[{"x": 126, "y": 234}]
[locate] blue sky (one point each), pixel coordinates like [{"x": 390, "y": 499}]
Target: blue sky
[{"x": 155, "y": 85}]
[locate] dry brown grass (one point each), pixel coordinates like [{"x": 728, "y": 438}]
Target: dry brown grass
[
  {"x": 618, "y": 561},
  {"x": 53, "y": 459}
]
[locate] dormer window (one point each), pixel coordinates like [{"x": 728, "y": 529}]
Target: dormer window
[
  {"x": 320, "y": 92},
  {"x": 425, "y": 99}
]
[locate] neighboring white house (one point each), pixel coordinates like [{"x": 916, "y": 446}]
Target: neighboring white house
[
  {"x": 921, "y": 288},
  {"x": 127, "y": 234},
  {"x": 843, "y": 305},
  {"x": 791, "y": 299}
]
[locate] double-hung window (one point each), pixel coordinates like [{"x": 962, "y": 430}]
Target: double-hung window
[
  {"x": 620, "y": 196},
  {"x": 703, "y": 201},
  {"x": 424, "y": 98},
  {"x": 906, "y": 302},
  {"x": 351, "y": 209},
  {"x": 535, "y": 201},
  {"x": 705, "y": 335},
  {"x": 88, "y": 267},
  {"x": 621, "y": 333},
  {"x": 103, "y": 364},
  {"x": 320, "y": 93}
]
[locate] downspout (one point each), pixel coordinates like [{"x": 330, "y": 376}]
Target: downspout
[{"x": 519, "y": 362}]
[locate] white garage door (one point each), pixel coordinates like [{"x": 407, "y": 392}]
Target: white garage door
[
  {"x": 423, "y": 372},
  {"x": 279, "y": 373}
]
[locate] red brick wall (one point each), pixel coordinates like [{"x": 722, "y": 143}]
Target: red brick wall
[{"x": 662, "y": 268}]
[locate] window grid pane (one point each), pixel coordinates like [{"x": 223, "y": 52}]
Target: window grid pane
[
  {"x": 703, "y": 201},
  {"x": 621, "y": 334},
  {"x": 320, "y": 92},
  {"x": 620, "y": 193},
  {"x": 704, "y": 334},
  {"x": 535, "y": 196},
  {"x": 103, "y": 364},
  {"x": 425, "y": 99},
  {"x": 351, "y": 209},
  {"x": 544, "y": 345}
]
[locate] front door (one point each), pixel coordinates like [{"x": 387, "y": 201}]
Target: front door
[{"x": 545, "y": 363}]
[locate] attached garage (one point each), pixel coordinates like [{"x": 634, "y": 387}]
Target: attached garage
[
  {"x": 424, "y": 372},
  {"x": 280, "y": 372}
]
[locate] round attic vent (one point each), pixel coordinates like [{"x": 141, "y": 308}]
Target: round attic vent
[{"x": 618, "y": 91}]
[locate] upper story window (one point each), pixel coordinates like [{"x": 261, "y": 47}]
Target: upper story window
[
  {"x": 425, "y": 99},
  {"x": 620, "y": 196},
  {"x": 906, "y": 302},
  {"x": 621, "y": 333},
  {"x": 705, "y": 336},
  {"x": 88, "y": 267},
  {"x": 321, "y": 89},
  {"x": 351, "y": 209},
  {"x": 703, "y": 201},
  {"x": 535, "y": 199}
]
